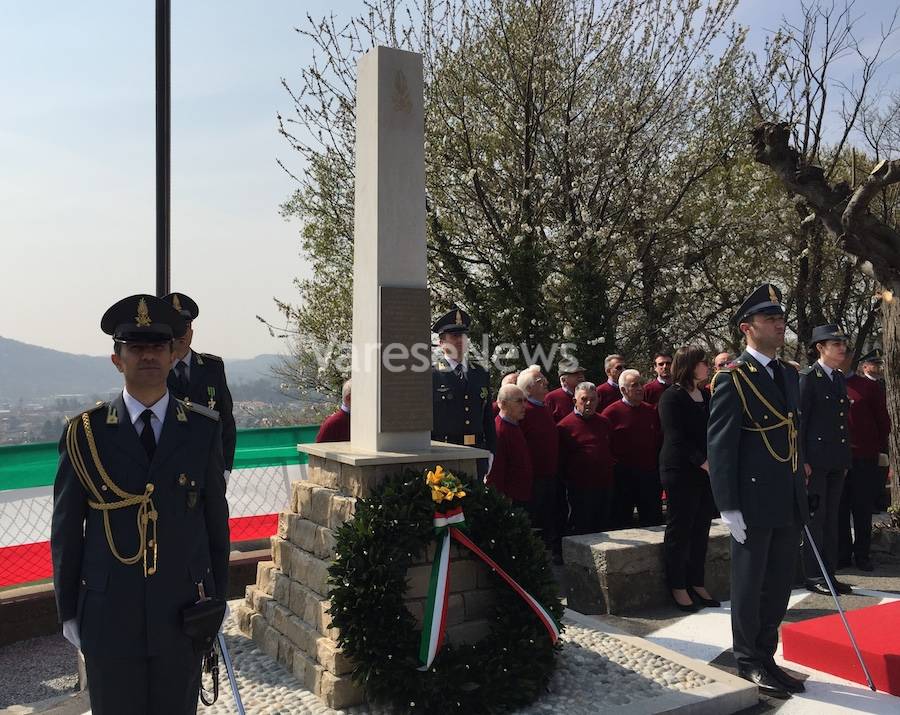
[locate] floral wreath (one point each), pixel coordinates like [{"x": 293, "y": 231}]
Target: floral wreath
[{"x": 411, "y": 668}]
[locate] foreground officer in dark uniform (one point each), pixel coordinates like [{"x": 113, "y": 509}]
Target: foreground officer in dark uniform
[
  {"x": 825, "y": 438},
  {"x": 140, "y": 524},
  {"x": 200, "y": 377},
  {"x": 756, "y": 473},
  {"x": 460, "y": 390}
]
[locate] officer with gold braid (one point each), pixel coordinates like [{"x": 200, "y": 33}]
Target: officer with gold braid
[
  {"x": 140, "y": 523},
  {"x": 758, "y": 481}
]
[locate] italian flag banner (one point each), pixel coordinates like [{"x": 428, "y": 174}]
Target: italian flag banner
[
  {"x": 447, "y": 526},
  {"x": 266, "y": 462}
]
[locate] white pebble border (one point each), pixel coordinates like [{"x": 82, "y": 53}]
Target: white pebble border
[{"x": 595, "y": 670}]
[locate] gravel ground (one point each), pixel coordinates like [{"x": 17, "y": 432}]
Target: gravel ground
[
  {"x": 595, "y": 670},
  {"x": 37, "y": 669}
]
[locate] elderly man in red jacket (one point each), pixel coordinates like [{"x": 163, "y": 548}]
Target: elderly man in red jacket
[
  {"x": 870, "y": 427},
  {"x": 511, "y": 471},
  {"x": 561, "y": 401},
  {"x": 336, "y": 427},
  {"x": 635, "y": 440},
  {"x": 539, "y": 430},
  {"x": 586, "y": 462}
]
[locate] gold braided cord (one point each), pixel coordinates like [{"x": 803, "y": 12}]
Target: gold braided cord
[
  {"x": 784, "y": 421},
  {"x": 146, "y": 513}
]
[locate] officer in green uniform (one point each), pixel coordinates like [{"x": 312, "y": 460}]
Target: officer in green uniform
[
  {"x": 757, "y": 476},
  {"x": 461, "y": 390},
  {"x": 200, "y": 377},
  {"x": 140, "y": 524}
]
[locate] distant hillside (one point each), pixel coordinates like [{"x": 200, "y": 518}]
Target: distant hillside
[{"x": 29, "y": 372}]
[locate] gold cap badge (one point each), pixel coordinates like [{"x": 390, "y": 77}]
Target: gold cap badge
[
  {"x": 459, "y": 320},
  {"x": 175, "y": 302},
  {"x": 773, "y": 296},
  {"x": 142, "y": 319}
]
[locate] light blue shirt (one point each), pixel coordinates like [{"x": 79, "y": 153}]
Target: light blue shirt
[{"x": 763, "y": 360}]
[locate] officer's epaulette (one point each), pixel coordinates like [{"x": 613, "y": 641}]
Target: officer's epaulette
[
  {"x": 806, "y": 370},
  {"x": 443, "y": 365},
  {"x": 199, "y": 409},
  {"x": 210, "y": 356},
  {"x": 88, "y": 411},
  {"x": 733, "y": 365}
]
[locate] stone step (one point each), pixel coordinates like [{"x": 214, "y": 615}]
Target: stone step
[{"x": 324, "y": 506}]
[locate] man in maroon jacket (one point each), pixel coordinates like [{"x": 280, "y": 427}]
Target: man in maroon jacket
[
  {"x": 609, "y": 391},
  {"x": 586, "y": 462},
  {"x": 662, "y": 364},
  {"x": 336, "y": 427},
  {"x": 635, "y": 440},
  {"x": 869, "y": 430},
  {"x": 539, "y": 430},
  {"x": 561, "y": 401},
  {"x": 511, "y": 471}
]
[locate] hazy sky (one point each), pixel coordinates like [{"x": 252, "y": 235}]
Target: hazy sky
[{"x": 77, "y": 167}]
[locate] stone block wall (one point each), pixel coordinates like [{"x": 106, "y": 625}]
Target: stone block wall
[
  {"x": 285, "y": 611},
  {"x": 620, "y": 572}
]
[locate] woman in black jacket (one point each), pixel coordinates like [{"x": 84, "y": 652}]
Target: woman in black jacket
[{"x": 684, "y": 472}]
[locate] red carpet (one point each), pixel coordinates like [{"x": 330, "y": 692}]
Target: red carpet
[
  {"x": 823, "y": 644},
  {"x": 31, "y": 562}
]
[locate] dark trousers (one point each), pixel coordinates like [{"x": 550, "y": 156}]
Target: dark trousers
[
  {"x": 591, "y": 508},
  {"x": 690, "y": 511},
  {"x": 859, "y": 500},
  {"x": 761, "y": 572},
  {"x": 167, "y": 684},
  {"x": 636, "y": 488},
  {"x": 823, "y": 525},
  {"x": 545, "y": 510}
]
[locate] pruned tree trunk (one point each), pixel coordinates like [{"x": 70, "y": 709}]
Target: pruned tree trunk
[
  {"x": 845, "y": 216},
  {"x": 890, "y": 312}
]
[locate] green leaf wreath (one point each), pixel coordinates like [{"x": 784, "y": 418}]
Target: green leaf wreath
[{"x": 506, "y": 670}]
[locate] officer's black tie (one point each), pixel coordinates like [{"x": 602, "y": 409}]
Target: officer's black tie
[
  {"x": 147, "y": 437},
  {"x": 181, "y": 378},
  {"x": 778, "y": 375},
  {"x": 460, "y": 373}
]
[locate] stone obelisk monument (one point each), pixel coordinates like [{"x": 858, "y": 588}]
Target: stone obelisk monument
[{"x": 391, "y": 412}]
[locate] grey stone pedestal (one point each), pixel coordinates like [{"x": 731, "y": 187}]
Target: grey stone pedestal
[{"x": 620, "y": 572}]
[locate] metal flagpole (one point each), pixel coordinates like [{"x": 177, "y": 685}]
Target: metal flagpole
[
  {"x": 163, "y": 135},
  {"x": 837, "y": 603},
  {"x": 230, "y": 670}
]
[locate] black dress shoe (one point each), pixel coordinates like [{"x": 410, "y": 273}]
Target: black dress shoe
[
  {"x": 697, "y": 598},
  {"x": 841, "y": 587},
  {"x": 865, "y": 564},
  {"x": 790, "y": 683},
  {"x": 767, "y": 683},
  {"x": 817, "y": 587},
  {"x": 690, "y": 608}
]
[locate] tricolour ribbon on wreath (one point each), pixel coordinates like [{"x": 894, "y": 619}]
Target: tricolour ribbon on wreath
[{"x": 445, "y": 487}]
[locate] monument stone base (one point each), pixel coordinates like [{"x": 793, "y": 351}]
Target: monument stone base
[{"x": 285, "y": 612}]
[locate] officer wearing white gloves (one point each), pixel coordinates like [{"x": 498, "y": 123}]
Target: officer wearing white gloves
[{"x": 757, "y": 477}]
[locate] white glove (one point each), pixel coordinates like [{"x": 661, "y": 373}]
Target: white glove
[
  {"x": 70, "y": 632},
  {"x": 226, "y": 474},
  {"x": 734, "y": 520}
]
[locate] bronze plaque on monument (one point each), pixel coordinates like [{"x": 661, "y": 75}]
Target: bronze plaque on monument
[{"x": 405, "y": 360}]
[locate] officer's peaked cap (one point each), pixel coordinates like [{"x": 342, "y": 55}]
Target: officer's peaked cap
[
  {"x": 764, "y": 299},
  {"x": 142, "y": 318}
]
